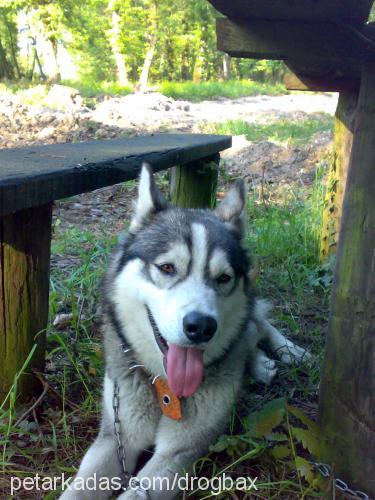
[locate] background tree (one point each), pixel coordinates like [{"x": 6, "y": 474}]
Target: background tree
[
  {"x": 122, "y": 40},
  {"x": 115, "y": 42}
]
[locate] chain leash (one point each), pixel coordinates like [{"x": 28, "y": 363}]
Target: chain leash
[
  {"x": 339, "y": 484},
  {"x": 126, "y": 476}
]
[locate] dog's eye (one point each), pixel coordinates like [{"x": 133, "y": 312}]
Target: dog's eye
[
  {"x": 167, "y": 268},
  {"x": 223, "y": 278}
]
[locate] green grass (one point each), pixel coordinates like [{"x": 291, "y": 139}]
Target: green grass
[
  {"x": 286, "y": 232},
  {"x": 232, "y": 89},
  {"x": 89, "y": 88},
  {"x": 283, "y": 237},
  {"x": 189, "y": 91},
  {"x": 293, "y": 132}
]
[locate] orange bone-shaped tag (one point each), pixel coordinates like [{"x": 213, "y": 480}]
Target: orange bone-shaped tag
[{"x": 169, "y": 403}]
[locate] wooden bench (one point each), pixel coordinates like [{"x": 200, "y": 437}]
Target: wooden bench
[{"x": 31, "y": 179}]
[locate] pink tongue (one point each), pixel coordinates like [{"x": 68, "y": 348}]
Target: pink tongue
[{"x": 184, "y": 369}]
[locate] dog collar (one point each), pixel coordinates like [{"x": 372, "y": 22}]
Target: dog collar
[{"x": 169, "y": 403}]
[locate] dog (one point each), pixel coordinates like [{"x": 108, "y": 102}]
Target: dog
[{"x": 181, "y": 322}]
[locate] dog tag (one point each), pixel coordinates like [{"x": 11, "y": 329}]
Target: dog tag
[{"x": 169, "y": 403}]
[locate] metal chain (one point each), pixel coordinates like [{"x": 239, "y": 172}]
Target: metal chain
[
  {"x": 126, "y": 476},
  {"x": 339, "y": 484}
]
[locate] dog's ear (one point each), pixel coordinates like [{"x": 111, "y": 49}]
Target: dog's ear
[
  {"x": 232, "y": 209},
  {"x": 149, "y": 201}
]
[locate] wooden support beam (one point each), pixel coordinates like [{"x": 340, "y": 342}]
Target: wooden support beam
[
  {"x": 194, "y": 185},
  {"x": 353, "y": 11},
  {"x": 25, "y": 239},
  {"x": 265, "y": 39},
  {"x": 338, "y": 171},
  {"x": 320, "y": 84},
  {"x": 347, "y": 394}
]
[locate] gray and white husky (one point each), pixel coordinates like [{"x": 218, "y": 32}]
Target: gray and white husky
[{"x": 179, "y": 305}]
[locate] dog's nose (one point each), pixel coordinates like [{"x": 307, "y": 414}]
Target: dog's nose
[{"x": 199, "y": 327}]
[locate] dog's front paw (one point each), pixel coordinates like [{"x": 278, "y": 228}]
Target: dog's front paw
[
  {"x": 291, "y": 353},
  {"x": 135, "y": 494},
  {"x": 263, "y": 368}
]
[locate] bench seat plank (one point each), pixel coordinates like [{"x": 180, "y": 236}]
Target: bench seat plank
[{"x": 37, "y": 175}]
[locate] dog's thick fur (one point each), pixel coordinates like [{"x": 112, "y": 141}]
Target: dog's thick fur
[{"x": 202, "y": 246}]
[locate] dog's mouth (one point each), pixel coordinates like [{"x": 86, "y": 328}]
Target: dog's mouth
[
  {"x": 183, "y": 365},
  {"x": 160, "y": 340}
]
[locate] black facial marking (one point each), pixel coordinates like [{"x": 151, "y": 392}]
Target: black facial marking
[
  {"x": 109, "y": 310},
  {"x": 241, "y": 330},
  {"x": 174, "y": 225}
]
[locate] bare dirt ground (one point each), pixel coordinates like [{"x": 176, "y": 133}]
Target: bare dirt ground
[{"x": 65, "y": 118}]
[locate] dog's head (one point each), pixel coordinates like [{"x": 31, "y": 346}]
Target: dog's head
[{"x": 182, "y": 291}]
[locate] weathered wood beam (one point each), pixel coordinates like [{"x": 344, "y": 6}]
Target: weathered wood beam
[
  {"x": 59, "y": 170},
  {"x": 264, "y": 39},
  {"x": 320, "y": 84},
  {"x": 25, "y": 240},
  {"x": 354, "y": 11},
  {"x": 326, "y": 75},
  {"x": 347, "y": 388},
  {"x": 338, "y": 171},
  {"x": 194, "y": 185}
]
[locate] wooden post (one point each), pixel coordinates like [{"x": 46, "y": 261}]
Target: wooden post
[
  {"x": 194, "y": 185},
  {"x": 347, "y": 394},
  {"x": 343, "y": 138},
  {"x": 25, "y": 239}
]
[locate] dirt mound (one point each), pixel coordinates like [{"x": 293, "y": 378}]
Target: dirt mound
[
  {"x": 269, "y": 162},
  {"x": 149, "y": 112}
]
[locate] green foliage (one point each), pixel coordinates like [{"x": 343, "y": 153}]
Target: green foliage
[
  {"x": 261, "y": 423},
  {"x": 292, "y": 132},
  {"x": 232, "y": 89},
  {"x": 112, "y": 38},
  {"x": 89, "y": 87},
  {"x": 9, "y": 66},
  {"x": 264, "y": 430}
]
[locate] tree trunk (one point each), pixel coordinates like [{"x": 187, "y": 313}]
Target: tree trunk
[
  {"x": 6, "y": 70},
  {"x": 347, "y": 395},
  {"x": 122, "y": 72},
  {"x": 226, "y": 67},
  {"x": 25, "y": 239},
  {"x": 40, "y": 67},
  {"x": 55, "y": 77},
  {"x": 197, "y": 72},
  {"x": 343, "y": 138},
  {"x": 143, "y": 80},
  {"x": 194, "y": 185},
  {"x": 13, "y": 45}
]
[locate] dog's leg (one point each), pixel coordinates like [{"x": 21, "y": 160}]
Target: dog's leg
[
  {"x": 262, "y": 368},
  {"x": 100, "y": 467},
  {"x": 180, "y": 443},
  {"x": 175, "y": 452},
  {"x": 100, "y": 461},
  {"x": 286, "y": 349}
]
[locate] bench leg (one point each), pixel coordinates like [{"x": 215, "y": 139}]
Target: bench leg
[
  {"x": 194, "y": 185},
  {"x": 25, "y": 241}
]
